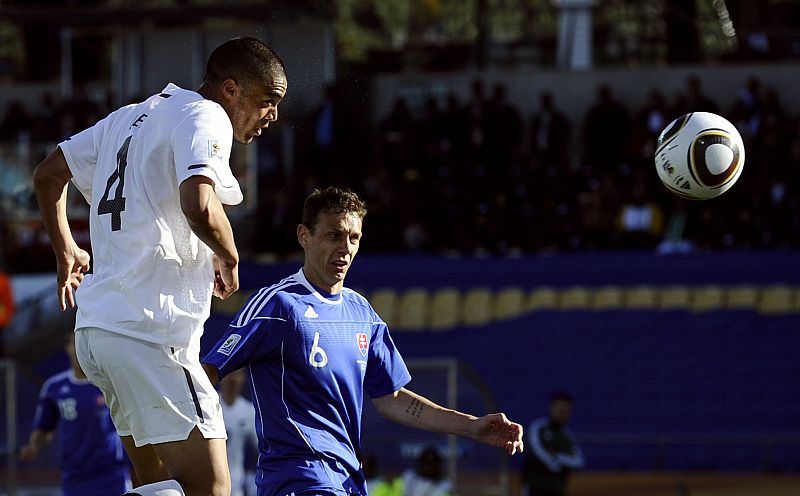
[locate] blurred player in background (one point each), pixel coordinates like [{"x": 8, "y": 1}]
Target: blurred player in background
[
  {"x": 552, "y": 451},
  {"x": 240, "y": 423},
  {"x": 91, "y": 457},
  {"x": 156, "y": 175},
  {"x": 427, "y": 478},
  {"x": 313, "y": 347}
]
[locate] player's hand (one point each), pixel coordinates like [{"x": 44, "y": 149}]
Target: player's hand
[
  {"x": 496, "y": 430},
  {"x": 226, "y": 278},
  {"x": 27, "y": 453},
  {"x": 72, "y": 266}
]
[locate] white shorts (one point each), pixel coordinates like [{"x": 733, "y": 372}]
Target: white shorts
[{"x": 156, "y": 393}]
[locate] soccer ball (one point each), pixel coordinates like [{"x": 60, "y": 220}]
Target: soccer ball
[{"x": 699, "y": 155}]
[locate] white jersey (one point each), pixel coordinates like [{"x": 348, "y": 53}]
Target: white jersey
[
  {"x": 240, "y": 422},
  {"x": 152, "y": 278}
]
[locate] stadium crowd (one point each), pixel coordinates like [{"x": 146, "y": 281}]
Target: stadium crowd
[{"x": 478, "y": 177}]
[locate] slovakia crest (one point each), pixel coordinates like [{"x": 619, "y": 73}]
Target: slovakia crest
[{"x": 363, "y": 344}]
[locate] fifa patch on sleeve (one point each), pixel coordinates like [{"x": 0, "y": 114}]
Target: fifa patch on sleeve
[
  {"x": 214, "y": 149},
  {"x": 229, "y": 344}
]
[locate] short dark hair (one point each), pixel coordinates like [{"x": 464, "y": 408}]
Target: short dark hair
[
  {"x": 561, "y": 396},
  {"x": 245, "y": 60},
  {"x": 331, "y": 199}
]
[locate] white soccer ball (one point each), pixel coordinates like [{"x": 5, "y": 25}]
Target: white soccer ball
[{"x": 699, "y": 155}]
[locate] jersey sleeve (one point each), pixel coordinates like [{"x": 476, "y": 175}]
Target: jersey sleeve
[
  {"x": 81, "y": 153},
  {"x": 46, "y": 416},
  {"x": 386, "y": 370},
  {"x": 251, "y": 335},
  {"x": 202, "y": 146}
]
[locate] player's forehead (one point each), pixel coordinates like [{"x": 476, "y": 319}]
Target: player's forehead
[
  {"x": 348, "y": 222},
  {"x": 274, "y": 87}
]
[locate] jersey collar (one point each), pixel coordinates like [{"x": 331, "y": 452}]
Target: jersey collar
[{"x": 323, "y": 296}]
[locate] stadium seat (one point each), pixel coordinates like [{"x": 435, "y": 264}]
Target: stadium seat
[
  {"x": 640, "y": 298},
  {"x": 445, "y": 309},
  {"x": 413, "y": 310},
  {"x": 478, "y": 307},
  {"x": 575, "y": 298},
  {"x": 674, "y": 298},
  {"x": 776, "y": 300},
  {"x": 385, "y": 302},
  {"x": 607, "y": 298},
  {"x": 509, "y": 303},
  {"x": 742, "y": 297},
  {"x": 541, "y": 299},
  {"x": 707, "y": 298}
]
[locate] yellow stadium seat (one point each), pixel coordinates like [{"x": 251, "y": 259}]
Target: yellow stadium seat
[
  {"x": 445, "y": 309},
  {"x": 385, "y": 302},
  {"x": 674, "y": 298},
  {"x": 777, "y": 300},
  {"x": 707, "y": 298},
  {"x": 413, "y": 310},
  {"x": 509, "y": 303},
  {"x": 542, "y": 299},
  {"x": 640, "y": 298},
  {"x": 477, "y": 307},
  {"x": 575, "y": 298},
  {"x": 607, "y": 298},
  {"x": 742, "y": 297}
]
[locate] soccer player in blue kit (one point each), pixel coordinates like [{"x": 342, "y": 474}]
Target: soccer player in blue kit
[
  {"x": 91, "y": 457},
  {"x": 312, "y": 348}
]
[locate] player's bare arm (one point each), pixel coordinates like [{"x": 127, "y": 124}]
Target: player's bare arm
[
  {"x": 409, "y": 408},
  {"x": 50, "y": 179},
  {"x": 208, "y": 221},
  {"x": 37, "y": 441}
]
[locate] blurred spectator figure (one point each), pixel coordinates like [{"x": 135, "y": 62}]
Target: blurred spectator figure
[
  {"x": 640, "y": 220},
  {"x": 747, "y": 110},
  {"x": 324, "y": 121},
  {"x": 92, "y": 460},
  {"x": 16, "y": 125},
  {"x": 428, "y": 477},
  {"x": 606, "y": 133},
  {"x": 502, "y": 131},
  {"x": 650, "y": 120},
  {"x": 240, "y": 423},
  {"x": 674, "y": 240},
  {"x": 693, "y": 99},
  {"x": 396, "y": 138},
  {"x": 549, "y": 134},
  {"x": 6, "y": 299},
  {"x": 377, "y": 484},
  {"x": 475, "y": 117},
  {"x": 552, "y": 452}
]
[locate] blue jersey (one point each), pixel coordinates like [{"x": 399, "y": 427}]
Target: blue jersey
[
  {"x": 92, "y": 458},
  {"x": 311, "y": 356}
]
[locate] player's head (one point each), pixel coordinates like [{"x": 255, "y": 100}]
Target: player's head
[
  {"x": 330, "y": 233},
  {"x": 248, "y": 80},
  {"x": 561, "y": 407}
]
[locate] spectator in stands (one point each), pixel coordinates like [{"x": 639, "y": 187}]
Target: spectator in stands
[
  {"x": 549, "y": 134},
  {"x": 91, "y": 457},
  {"x": 315, "y": 347},
  {"x": 748, "y": 109},
  {"x": 16, "y": 124},
  {"x": 427, "y": 478},
  {"x": 240, "y": 423},
  {"x": 693, "y": 99},
  {"x": 606, "y": 133},
  {"x": 503, "y": 133},
  {"x": 553, "y": 453}
]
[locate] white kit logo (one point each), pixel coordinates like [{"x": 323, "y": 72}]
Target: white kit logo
[
  {"x": 229, "y": 344},
  {"x": 310, "y": 313},
  {"x": 317, "y": 358}
]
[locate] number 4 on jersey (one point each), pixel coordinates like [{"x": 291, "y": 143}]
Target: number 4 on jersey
[{"x": 117, "y": 204}]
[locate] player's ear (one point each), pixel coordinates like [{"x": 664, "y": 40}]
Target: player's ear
[
  {"x": 229, "y": 88},
  {"x": 302, "y": 235}
]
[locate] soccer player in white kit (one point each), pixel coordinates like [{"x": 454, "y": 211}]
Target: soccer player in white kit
[{"x": 155, "y": 175}]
